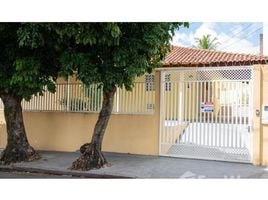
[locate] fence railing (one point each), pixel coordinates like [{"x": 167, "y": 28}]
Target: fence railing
[{"x": 76, "y": 97}]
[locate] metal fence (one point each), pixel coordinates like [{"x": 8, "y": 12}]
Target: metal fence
[
  {"x": 76, "y": 97},
  {"x": 207, "y": 113}
]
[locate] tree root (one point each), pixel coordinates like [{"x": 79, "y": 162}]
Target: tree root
[
  {"x": 12, "y": 154},
  {"x": 91, "y": 158}
]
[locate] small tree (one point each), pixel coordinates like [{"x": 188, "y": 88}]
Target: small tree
[
  {"x": 28, "y": 62},
  {"x": 206, "y": 42},
  {"x": 134, "y": 48}
]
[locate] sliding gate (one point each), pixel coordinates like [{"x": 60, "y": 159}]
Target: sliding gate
[{"x": 207, "y": 113}]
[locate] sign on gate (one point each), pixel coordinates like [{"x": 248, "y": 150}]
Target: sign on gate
[{"x": 206, "y": 107}]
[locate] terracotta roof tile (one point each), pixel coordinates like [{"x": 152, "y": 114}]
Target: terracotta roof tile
[{"x": 193, "y": 57}]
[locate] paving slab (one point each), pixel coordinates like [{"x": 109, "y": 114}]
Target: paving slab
[{"x": 139, "y": 166}]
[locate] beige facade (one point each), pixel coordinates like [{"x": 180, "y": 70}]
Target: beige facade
[
  {"x": 262, "y": 93},
  {"x": 59, "y": 131},
  {"x": 65, "y": 131},
  {"x": 130, "y": 133}
]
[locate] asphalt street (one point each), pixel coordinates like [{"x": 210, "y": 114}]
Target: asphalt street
[{"x": 27, "y": 175}]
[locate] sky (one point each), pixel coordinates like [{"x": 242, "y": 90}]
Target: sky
[{"x": 237, "y": 37}]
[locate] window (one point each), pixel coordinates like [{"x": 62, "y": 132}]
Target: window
[
  {"x": 149, "y": 82},
  {"x": 167, "y": 82}
]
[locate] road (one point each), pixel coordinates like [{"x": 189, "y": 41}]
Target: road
[{"x": 29, "y": 175}]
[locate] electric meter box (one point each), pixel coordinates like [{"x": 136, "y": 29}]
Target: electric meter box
[{"x": 265, "y": 114}]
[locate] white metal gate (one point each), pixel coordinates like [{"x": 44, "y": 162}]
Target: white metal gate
[{"x": 206, "y": 113}]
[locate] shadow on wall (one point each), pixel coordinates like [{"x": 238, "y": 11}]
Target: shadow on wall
[{"x": 3, "y": 134}]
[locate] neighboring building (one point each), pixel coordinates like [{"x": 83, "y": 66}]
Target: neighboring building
[{"x": 199, "y": 104}]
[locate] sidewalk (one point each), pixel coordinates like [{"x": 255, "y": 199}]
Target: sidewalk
[{"x": 137, "y": 166}]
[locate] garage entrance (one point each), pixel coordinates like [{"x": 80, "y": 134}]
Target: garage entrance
[{"x": 206, "y": 113}]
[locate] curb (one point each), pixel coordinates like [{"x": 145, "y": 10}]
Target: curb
[{"x": 76, "y": 174}]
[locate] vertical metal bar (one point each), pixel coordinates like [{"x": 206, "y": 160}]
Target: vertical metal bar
[
  {"x": 248, "y": 114},
  {"x": 236, "y": 114},
  {"x": 137, "y": 98},
  {"x": 180, "y": 102},
  {"x": 186, "y": 101},
  {"x": 174, "y": 87},
  {"x": 183, "y": 104},
  {"x": 96, "y": 95},
  {"x": 250, "y": 92},
  {"x": 213, "y": 113},
  {"x": 204, "y": 113},
  {"x": 49, "y": 100},
  {"x": 169, "y": 104},
  {"x": 140, "y": 97},
  {"x": 173, "y": 118},
  {"x": 244, "y": 113},
  {"x": 201, "y": 114},
  {"x": 68, "y": 93},
  {"x": 80, "y": 101},
  {"x": 63, "y": 96},
  {"x": 232, "y": 115},
  {"x": 209, "y": 114},
  {"x": 34, "y": 104},
  {"x": 197, "y": 111},
  {"x": 172, "y": 115},
  {"x": 224, "y": 116},
  {"x": 220, "y": 113},
  {"x": 190, "y": 111},
  {"x": 212, "y": 93},
  {"x": 45, "y": 100},
  {"x": 124, "y": 98},
  {"x": 127, "y": 100},
  {"x": 228, "y": 113},
  {"x": 74, "y": 97},
  {"x": 56, "y": 98},
  {"x": 216, "y": 97},
  {"x": 134, "y": 102}
]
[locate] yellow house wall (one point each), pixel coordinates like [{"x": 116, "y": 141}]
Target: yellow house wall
[
  {"x": 57, "y": 131},
  {"x": 63, "y": 131},
  {"x": 264, "y": 127},
  {"x": 138, "y": 134},
  {"x": 260, "y": 97}
]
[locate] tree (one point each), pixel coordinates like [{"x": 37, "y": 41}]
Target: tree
[
  {"x": 134, "y": 49},
  {"x": 206, "y": 42},
  {"x": 28, "y": 63}
]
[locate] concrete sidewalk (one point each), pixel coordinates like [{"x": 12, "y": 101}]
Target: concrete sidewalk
[{"x": 137, "y": 166}]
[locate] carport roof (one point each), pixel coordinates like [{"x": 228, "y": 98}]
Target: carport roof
[{"x": 193, "y": 57}]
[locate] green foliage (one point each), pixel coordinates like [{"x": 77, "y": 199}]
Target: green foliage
[
  {"x": 121, "y": 51},
  {"x": 206, "y": 42},
  {"x": 105, "y": 53},
  {"x": 28, "y": 59}
]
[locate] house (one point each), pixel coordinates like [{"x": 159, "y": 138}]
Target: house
[{"x": 199, "y": 104}]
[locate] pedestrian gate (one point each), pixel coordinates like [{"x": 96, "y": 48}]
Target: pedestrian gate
[{"x": 206, "y": 113}]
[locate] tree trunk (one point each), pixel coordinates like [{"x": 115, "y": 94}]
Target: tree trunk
[
  {"x": 17, "y": 148},
  {"x": 91, "y": 155}
]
